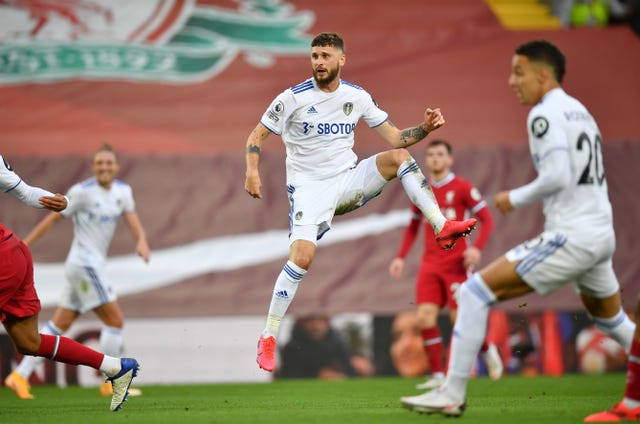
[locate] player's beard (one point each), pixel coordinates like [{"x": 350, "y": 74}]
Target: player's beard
[{"x": 331, "y": 75}]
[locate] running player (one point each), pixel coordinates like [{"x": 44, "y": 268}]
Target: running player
[
  {"x": 442, "y": 272},
  {"x": 19, "y": 303},
  {"x": 316, "y": 120},
  {"x": 96, "y": 206},
  {"x": 578, "y": 240}
]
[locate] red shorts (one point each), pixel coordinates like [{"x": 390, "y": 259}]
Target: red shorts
[
  {"x": 439, "y": 283},
  {"x": 18, "y": 295}
]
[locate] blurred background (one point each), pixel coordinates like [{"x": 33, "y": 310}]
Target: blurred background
[{"x": 175, "y": 86}]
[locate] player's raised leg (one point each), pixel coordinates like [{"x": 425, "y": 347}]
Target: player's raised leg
[
  {"x": 400, "y": 163},
  {"x": 23, "y": 332},
  {"x": 120, "y": 372}
]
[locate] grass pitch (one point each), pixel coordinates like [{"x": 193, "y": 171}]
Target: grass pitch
[{"x": 514, "y": 399}]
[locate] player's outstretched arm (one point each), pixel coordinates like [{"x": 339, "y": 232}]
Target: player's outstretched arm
[
  {"x": 252, "y": 183},
  {"x": 554, "y": 175},
  {"x": 38, "y": 197},
  {"x": 397, "y": 138}
]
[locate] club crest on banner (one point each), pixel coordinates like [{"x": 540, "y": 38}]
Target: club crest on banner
[{"x": 164, "y": 41}]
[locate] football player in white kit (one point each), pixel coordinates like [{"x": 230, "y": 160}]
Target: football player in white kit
[
  {"x": 95, "y": 208},
  {"x": 578, "y": 240},
  {"x": 20, "y": 306},
  {"x": 316, "y": 120}
]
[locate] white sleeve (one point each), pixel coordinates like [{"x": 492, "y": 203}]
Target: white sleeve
[
  {"x": 373, "y": 115},
  {"x": 12, "y": 184},
  {"x": 8, "y": 178},
  {"x": 29, "y": 195},
  {"x": 276, "y": 116},
  {"x": 554, "y": 174},
  {"x": 129, "y": 203}
]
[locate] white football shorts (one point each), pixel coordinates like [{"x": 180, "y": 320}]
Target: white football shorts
[
  {"x": 313, "y": 204},
  {"x": 550, "y": 261},
  {"x": 86, "y": 289}
]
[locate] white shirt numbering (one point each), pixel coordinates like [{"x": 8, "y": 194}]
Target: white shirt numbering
[{"x": 563, "y": 135}]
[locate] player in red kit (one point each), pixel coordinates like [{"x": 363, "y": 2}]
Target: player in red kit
[{"x": 441, "y": 272}]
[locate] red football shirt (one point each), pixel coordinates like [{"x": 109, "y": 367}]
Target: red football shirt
[{"x": 458, "y": 199}]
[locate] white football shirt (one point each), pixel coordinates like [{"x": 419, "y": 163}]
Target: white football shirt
[
  {"x": 95, "y": 212},
  {"x": 562, "y": 127},
  {"x": 317, "y": 127}
]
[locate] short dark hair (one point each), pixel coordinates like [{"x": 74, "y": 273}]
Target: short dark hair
[
  {"x": 439, "y": 142},
  {"x": 545, "y": 52},
  {"x": 328, "y": 39}
]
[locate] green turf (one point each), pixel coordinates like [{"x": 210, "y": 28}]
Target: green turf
[{"x": 511, "y": 400}]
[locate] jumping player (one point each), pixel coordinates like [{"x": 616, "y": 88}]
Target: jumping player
[{"x": 316, "y": 120}]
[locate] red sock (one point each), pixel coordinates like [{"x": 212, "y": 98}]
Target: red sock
[
  {"x": 633, "y": 372},
  {"x": 64, "y": 349},
  {"x": 433, "y": 347}
]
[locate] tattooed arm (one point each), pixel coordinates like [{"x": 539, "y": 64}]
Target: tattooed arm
[
  {"x": 433, "y": 120},
  {"x": 252, "y": 184}
]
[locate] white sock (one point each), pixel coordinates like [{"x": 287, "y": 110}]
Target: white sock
[
  {"x": 29, "y": 363},
  {"x": 620, "y": 328},
  {"x": 111, "y": 341},
  {"x": 419, "y": 191},
  {"x": 283, "y": 293},
  {"x": 631, "y": 403},
  {"x": 110, "y": 366},
  {"x": 469, "y": 332}
]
